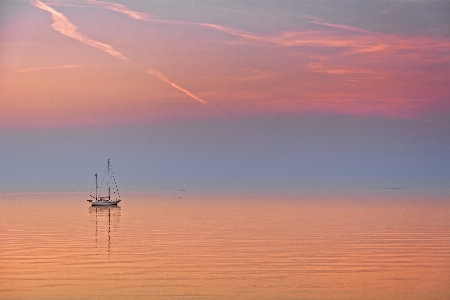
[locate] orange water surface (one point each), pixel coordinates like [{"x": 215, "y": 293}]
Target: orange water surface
[{"x": 183, "y": 245}]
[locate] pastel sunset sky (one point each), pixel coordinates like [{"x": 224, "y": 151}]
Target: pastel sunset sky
[{"x": 230, "y": 95}]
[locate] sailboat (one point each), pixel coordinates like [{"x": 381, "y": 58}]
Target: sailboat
[{"x": 105, "y": 200}]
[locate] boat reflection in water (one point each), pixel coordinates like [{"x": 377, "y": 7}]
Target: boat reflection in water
[{"x": 107, "y": 219}]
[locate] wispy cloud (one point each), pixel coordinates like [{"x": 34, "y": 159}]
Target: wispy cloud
[
  {"x": 319, "y": 21},
  {"x": 233, "y": 31},
  {"x": 120, "y": 8},
  {"x": 340, "y": 53},
  {"x": 283, "y": 39},
  {"x": 48, "y": 68},
  {"x": 345, "y": 42},
  {"x": 337, "y": 71},
  {"x": 151, "y": 18},
  {"x": 64, "y": 26}
]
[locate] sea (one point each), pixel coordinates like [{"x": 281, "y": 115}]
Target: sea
[{"x": 204, "y": 245}]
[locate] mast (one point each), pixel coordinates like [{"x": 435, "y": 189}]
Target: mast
[
  {"x": 96, "y": 186},
  {"x": 109, "y": 187}
]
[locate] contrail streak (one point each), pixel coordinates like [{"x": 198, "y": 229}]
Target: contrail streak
[
  {"x": 63, "y": 25},
  {"x": 166, "y": 80}
]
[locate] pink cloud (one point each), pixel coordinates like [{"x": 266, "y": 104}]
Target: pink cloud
[
  {"x": 48, "y": 68},
  {"x": 64, "y": 26}
]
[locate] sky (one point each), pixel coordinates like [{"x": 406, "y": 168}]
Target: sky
[{"x": 257, "y": 96}]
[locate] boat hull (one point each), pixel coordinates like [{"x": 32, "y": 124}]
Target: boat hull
[{"x": 105, "y": 203}]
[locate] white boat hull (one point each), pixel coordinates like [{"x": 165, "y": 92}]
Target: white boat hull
[{"x": 104, "y": 202}]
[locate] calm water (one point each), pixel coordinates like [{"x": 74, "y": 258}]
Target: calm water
[{"x": 161, "y": 246}]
